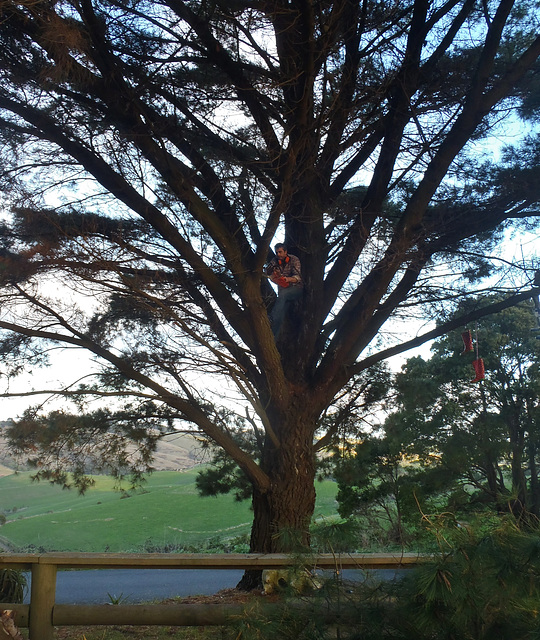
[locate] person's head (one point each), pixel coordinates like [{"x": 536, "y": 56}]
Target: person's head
[{"x": 281, "y": 250}]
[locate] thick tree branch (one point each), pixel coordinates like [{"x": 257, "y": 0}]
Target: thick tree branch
[{"x": 443, "y": 328}]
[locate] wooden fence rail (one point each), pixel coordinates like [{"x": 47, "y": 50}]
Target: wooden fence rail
[{"x": 43, "y": 614}]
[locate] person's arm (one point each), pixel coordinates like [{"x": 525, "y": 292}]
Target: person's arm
[{"x": 296, "y": 271}]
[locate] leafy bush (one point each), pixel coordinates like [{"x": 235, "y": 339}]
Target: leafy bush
[{"x": 13, "y": 586}]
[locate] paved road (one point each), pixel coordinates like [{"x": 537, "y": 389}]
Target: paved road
[
  {"x": 132, "y": 585},
  {"x": 146, "y": 585}
]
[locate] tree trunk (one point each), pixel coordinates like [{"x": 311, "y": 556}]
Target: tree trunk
[
  {"x": 534, "y": 499},
  {"x": 282, "y": 515},
  {"x": 518, "y": 504},
  {"x": 494, "y": 489},
  {"x": 532, "y": 449}
]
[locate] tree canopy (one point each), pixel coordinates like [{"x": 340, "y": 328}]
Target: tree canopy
[
  {"x": 452, "y": 445},
  {"x": 153, "y": 150}
]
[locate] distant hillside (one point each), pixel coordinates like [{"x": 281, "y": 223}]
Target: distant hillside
[
  {"x": 5, "y": 471},
  {"x": 175, "y": 452},
  {"x": 7, "y": 464}
]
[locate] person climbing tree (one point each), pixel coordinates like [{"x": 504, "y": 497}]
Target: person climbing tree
[{"x": 284, "y": 271}]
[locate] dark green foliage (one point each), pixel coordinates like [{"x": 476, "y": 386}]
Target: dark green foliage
[
  {"x": 482, "y": 584},
  {"x": 452, "y": 444},
  {"x": 336, "y": 536},
  {"x": 12, "y": 586},
  {"x": 65, "y": 448},
  {"x": 21, "y": 354},
  {"x": 51, "y": 228},
  {"x": 223, "y": 475}
]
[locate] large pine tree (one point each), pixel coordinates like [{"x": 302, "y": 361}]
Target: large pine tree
[{"x": 152, "y": 152}]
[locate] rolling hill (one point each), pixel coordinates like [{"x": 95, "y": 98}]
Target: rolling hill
[{"x": 175, "y": 452}]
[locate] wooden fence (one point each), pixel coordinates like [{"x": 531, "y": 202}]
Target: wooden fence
[{"x": 43, "y": 614}]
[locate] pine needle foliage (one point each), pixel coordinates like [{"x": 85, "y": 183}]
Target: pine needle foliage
[{"x": 482, "y": 585}]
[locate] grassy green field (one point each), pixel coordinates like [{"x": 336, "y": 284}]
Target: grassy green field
[{"x": 167, "y": 512}]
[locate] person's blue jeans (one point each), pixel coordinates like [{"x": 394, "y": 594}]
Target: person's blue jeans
[{"x": 286, "y": 295}]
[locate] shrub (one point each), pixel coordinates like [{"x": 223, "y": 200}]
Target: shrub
[
  {"x": 13, "y": 586},
  {"x": 483, "y": 584}
]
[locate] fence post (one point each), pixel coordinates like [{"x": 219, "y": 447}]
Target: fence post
[{"x": 42, "y": 596}]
